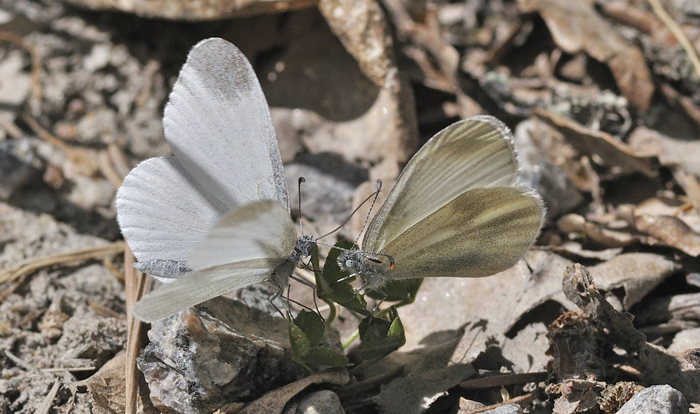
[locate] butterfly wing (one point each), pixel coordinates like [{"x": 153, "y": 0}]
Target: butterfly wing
[
  {"x": 261, "y": 230},
  {"x": 218, "y": 125},
  {"x": 457, "y": 208},
  {"x": 466, "y": 155},
  {"x": 159, "y": 225},
  {"x": 244, "y": 248},
  {"x": 480, "y": 233}
]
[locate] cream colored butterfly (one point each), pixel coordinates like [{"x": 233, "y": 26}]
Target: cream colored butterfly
[{"x": 458, "y": 209}]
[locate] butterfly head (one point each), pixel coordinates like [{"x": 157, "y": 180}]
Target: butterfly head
[{"x": 374, "y": 269}]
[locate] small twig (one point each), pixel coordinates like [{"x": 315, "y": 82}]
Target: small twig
[
  {"x": 45, "y": 406},
  {"x": 29, "y": 266},
  {"x": 104, "y": 163},
  {"x": 108, "y": 263},
  {"x": 17, "y": 360},
  {"x": 104, "y": 311},
  {"x": 677, "y": 33},
  {"x": 116, "y": 155},
  {"x": 46, "y": 135},
  {"x": 69, "y": 369},
  {"x": 501, "y": 380},
  {"x": 136, "y": 286},
  {"x": 521, "y": 400},
  {"x": 10, "y": 127},
  {"x": 36, "y": 61}
]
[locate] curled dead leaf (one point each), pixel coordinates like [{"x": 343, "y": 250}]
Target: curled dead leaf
[
  {"x": 576, "y": 27},
  {"x": 613, "y": 152}
]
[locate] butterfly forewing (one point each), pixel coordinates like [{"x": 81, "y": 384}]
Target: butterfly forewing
[
  {"x": 218, "y": 125},
  {"x": 474, "y": 153}
]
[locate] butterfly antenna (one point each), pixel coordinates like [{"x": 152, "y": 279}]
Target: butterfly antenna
[
  {"x": 301, "y": 226},
  {"x": 371, "y": 207},
  {"x": 374, "y": 195}
]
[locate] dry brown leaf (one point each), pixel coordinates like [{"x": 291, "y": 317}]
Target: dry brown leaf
[
  {"x": 361, "y": 27},
  {"x": 488, "y": 307},
  {"x": 602, "y": 144},
  {"x": 196, "y": 10},
  {"x": 274, "y": 401},
  {"x": 330, "y": 97},
  {"x": 428, "y": 373},
  {"x": 671, "y": 231},
  {"x": 670, "y": 152},
  {"x": 576, "y": 27},
  {"x": 574, "y": 223},
  {"x": 666, "y": 221},
  {"x": 107, "y": 386},
  {"x": 637, "y": 273}
]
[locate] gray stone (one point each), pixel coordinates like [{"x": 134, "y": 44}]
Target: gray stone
[
  {"x": 505, "y": 409},
  {"x": 657, "y": 399},
  {"x": 218, "y": 353},
  {"x": 320, "y": 402}
]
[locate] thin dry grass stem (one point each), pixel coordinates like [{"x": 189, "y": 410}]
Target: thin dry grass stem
[
  {"x": 32, "y": 265},
  {"x": 501, "y": 380},
  {"x": 37, "y": 92},
  {"x": 47, "y": 403},
  {"x": 103, "y": 310},
  {"x": 83, "y": 159},
  {"x": 10, "y": 127},
  {"x": 17, "y": 360},
  {"x": 118, "y": 160},
  {"x": 86, "y": 368},
  {"x": 678, "y": 33},
  {"x": 108, "y": 263},
  {"x": 108, "y": 170},
  {"x": 522, "y": 401},
  {"x": 46, "y": 135},
  {"x": 136, "y": 286}
]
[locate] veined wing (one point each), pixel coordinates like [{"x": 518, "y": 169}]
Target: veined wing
[
  {"x": 480, "y": 233},
  {"x": 201, "y": 286},
  {"x": 474, "y": 153},
  {"x": 218, "y": 125},
  {"x": 162, "y": 212},
  {"x": 262, "y": 230},
  {"x": 242, "y": 249}
]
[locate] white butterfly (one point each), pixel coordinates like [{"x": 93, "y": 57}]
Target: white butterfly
[
  {"x": 457, "y": 209},
  {"x": 220, "y": 206}
]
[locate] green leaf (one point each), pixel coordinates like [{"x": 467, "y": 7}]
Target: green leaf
[
  {"x": 299, "y": 342},
  {"x": 402, "y": 291},
  {"x": 318, "y": 276},
  {"x": 327, "y": 357},
  {"x": 312, "y": 325},
  {"x": 380, "y": 337},
  {"x": 305, "y": 333}
]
